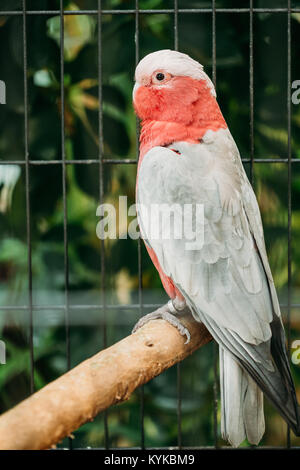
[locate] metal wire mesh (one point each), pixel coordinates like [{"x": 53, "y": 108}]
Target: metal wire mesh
[{"x": 103, "y": 160}]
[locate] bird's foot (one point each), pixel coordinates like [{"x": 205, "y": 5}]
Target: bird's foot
[{"x": 166, "y": 313}]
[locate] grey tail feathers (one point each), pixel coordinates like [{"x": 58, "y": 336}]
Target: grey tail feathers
[{"x": 242, "y": 408}]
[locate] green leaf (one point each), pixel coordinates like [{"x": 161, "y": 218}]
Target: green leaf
[{"x": 78, "y": 31}]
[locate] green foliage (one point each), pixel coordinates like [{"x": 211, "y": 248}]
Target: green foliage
[{"x": 81, "y": 116}]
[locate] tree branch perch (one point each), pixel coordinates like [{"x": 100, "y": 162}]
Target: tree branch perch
[{"x": 109, "y": 377}]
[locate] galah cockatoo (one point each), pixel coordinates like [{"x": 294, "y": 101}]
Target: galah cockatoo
[{"x": 188, "y": 157}]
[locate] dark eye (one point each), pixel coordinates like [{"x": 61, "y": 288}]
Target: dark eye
[{"x": 160, "y": 76}]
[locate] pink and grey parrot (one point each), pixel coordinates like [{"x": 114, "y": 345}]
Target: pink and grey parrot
[{"x": 188, "y": 156}]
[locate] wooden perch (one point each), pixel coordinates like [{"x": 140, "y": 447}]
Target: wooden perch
[{"x": 109, "y": 377}]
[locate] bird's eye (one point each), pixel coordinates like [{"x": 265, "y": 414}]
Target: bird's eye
[{"x": 160, "y": 76}]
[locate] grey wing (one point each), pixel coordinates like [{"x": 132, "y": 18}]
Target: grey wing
[{"x": 227, "y": 280}]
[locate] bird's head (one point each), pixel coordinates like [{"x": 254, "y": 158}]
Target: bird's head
[{"x": 169, "y": 85}]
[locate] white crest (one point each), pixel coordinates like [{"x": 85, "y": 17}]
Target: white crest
[{"x": 173, "y": 62}]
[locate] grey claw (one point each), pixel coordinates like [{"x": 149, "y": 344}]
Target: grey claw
[
  {"x": 146, "y": 318},
  {"x": 164, "y": 314},
  {"x": 177, "y": 323}
]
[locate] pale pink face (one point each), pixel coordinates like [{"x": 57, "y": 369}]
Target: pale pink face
[
  {"x": 168, "y": 84},
  {"x": 159, "y": 77},
  {"x": 169, "y": 100}
]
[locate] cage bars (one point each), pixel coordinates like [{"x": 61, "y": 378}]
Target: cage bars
[{"x": 103, "y": 160}]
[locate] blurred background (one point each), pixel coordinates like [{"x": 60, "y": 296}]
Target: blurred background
[{"x": 68, "y": 263}]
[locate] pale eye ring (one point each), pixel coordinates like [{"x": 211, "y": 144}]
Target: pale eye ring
[{"x": 160, "y": 76}]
